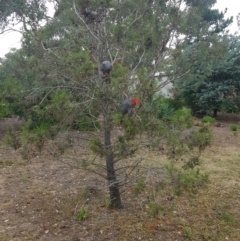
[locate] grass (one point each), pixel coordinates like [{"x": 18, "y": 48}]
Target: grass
[
  {"x": 82, "y": 214},
  {"x": 233, "y": 127},
  {"x": 6, "y": 162},
  {"x": 208, "y": 119},
  {"x": 227, "y": 217},
  {"x": 187, "y": 233},
  {"x": 2, "y": 238},
  {"x": 25, "y": 176},
  {"x": 210, "y": 211},
  {"x": 204, "y": 215},
  {"x": 151, "y": 210}
]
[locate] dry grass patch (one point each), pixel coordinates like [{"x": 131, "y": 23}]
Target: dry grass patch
[{"x": 43, "y": 198}]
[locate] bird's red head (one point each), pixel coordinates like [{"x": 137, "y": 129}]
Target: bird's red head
[{"x": 134, "y": 101}]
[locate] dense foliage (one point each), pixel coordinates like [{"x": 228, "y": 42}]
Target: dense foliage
[{"x": 213, "y": 84}]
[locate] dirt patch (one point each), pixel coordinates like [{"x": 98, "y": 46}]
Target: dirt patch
[
  {"x": 36, "y": 196},
  {"x": 223, "y": 136}
]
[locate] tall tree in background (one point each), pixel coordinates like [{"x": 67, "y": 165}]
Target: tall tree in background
[
  {"x": 219, "y": 85},
  {"x": 30, "y": 13},
  {"x": 139, "y": 40}
]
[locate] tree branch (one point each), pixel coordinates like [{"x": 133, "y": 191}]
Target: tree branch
[{"x": 79, "y": 16}]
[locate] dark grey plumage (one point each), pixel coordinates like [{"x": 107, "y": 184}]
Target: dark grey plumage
[
  {"x": 106, "y": 67},
  {"x": 125, "y": 106},
  {"x": 92, "y": 16},
  {"x": 89, "y": 15}
]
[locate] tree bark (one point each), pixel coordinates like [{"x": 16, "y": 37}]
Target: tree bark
[
  {"x": 115, "y": 198},
  {"x": 215, "y": 110},
  {"x": 113, "y": 185}
]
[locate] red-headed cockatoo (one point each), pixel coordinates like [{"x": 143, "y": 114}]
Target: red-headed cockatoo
[{"x": 128, "y": 104}]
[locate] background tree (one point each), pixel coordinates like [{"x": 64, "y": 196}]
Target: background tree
[
  {"x": 218, "y": 88},
  {"x": 32, "y": 14}
]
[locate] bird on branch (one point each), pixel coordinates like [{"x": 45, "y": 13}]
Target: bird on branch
[
  {"x": 127, "y": 105},
  {"x": 106, "y": 67}
]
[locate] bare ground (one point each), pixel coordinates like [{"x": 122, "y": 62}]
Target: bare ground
[{"x": 39, "y": 199}]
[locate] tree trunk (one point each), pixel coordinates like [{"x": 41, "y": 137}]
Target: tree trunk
[
  {"x": 215, "y": 110},
  {"x": 115, "y": 199}
]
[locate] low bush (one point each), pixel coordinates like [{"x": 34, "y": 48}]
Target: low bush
[
  {"x": 202, "y": 137},
  {"x": 182, "y": 118},
  {"x": 188, "y": 178},
  {"x": 82, "y": 214},
  {"x": 139, "y": 187},
  {"x": 4, "y": 110},
  {"x": 229, "y": 107},
  {"x": 233, "y": 127},
  {"x": 191, "y": 180},
  {"x": 208, "y": 119},
  {"x": 87, "y": 123},
  {"x": 165, "y": 111},
  {"x": 12, "y": 138},
  {"x": 154, "y": 208}
]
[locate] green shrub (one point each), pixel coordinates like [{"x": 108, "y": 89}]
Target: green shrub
[
  {"x": 227, "y": 217},
  {"x": 191, "y": 179},
  {"x": 165, "y": 111},
  {"x": 154, "y": 208},
  {"x": 4, "y": 110},
  {"x": 96, "y": 146},
  {"x": 164, "y": 107},
  {"x": 25, "y": 134},
  {"x": 208, "y": 119},
  {"x": 139, "y": 186},
  {"x": 192, "y": 162},
  {"x": 12, "y": 138},
  {"x": 131, "y": 127},
  {"x": 87, "y": 123},
  {"x": 41, "y": 133},
  {"x": 233, "y": 127},
  {"x": 175, "y": 103},
  {"x": 42, "y": 129},
  {"x": 182, "y": 117},
  {"x": 187, "y": 179},
  {"x": 35, "y": 134},
  {"x": 82, "y": 214},
  {"x": 117, "y": 118},
  {"x": 202, "y": 137},
  {"x": 229, "y": 107},
  {"x": 187, "y": 233}
]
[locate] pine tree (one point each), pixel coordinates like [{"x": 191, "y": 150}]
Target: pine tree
[{"x": 138, "y": 40}]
